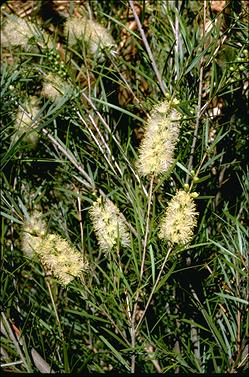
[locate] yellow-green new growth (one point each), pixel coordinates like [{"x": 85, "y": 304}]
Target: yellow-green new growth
[
  {"x": 109, "y": 225},
  {"x": 81, "y": 28},
  {"x": 156, "y": 152},
  {"x": 177, "y": 225}
]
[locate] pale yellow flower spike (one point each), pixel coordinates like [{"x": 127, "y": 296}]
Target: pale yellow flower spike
[
  {"x": 78, "y": 28},
  {"x": 109, "y": 225},
  {"x": 34, "y": 230},
  {"x": 54, "y": 87},
  {"x": 25, "y": 122},
  {"x": 57, "y": 256},
  {"x": 60, "y": 259},
  {"x": 180, "y": 219},
  {"x": 156, "y": 152},
  {"x": 17, "y": 32}
]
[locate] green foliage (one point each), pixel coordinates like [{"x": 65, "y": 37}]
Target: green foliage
[{"x": 148, "y": 306}]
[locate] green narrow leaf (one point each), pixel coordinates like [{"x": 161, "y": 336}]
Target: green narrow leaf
[
  {"x": 118, "y": 108},
  {"x": 237, "y": 299},
  {"x": 115, "y": 352},
  {"x": 214, "y": 330},
  {"x": 66, "y": 362},
  {"x": 165, "y": 277},
  {"x": 223, "y": 249},
  {"x": 195, "y": 61},
  {"x": 11, "y": 218},
  {"x": 182, "y": 168},
  {"x": 121, "y": 341},
  {"x": 152, "y": 260}
]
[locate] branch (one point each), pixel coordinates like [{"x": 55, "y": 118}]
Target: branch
[
  {"x": 146, "y": 44},
  {"x": 199, "y": 110}
]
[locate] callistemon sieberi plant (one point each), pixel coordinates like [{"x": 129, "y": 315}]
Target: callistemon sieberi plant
[
  {"x": 109, "y": 224},
  {"x": 57, "y": 256}
]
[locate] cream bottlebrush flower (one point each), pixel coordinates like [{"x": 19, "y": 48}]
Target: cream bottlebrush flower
[
  {"x": 17, "y": 32},
  {"x": 54, "y": 87},
  {"x": 109, "y": 225},
  {"x": 180, "y": 219},
  {"x": 156, "y": 152},
  {"x": 78, "y": 28},
  {"x": 60, "y": 259},
  {"x": 56, "y": 255},
  {"x": 34, "y": 230},
  {"x": 25, "y": 121}
]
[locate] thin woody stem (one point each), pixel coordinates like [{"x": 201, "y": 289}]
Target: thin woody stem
[
  {"x": 133, "y": 318},
  {"x": 88, "y": 99},
  {"x": 6, "y": 329},
  {"x": 58, "y": 143},
  {"x": 147, "y": 227},
  {"x": 154, "y": 287},
  {"x": 146, "y": 44},
  {"x": 199, "y": 112},
  {"x": 54, "y": 306}
]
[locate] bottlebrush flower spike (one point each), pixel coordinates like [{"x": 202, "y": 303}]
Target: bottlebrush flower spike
[
  {"x": 81, "y": 28},
  {"x": 61, "y": 259},
  {"x": 25, "y": 122},
  {"x": 54, "y": 87},
  {"x": 109, "y": 225},
  {"x": 156, "y": 152},
  {"x": 57, "y": 256},
  {"x": 17, "y": 32},
  {"x": 34, "y": 229},
  {"x": 180, "y": 219}
]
